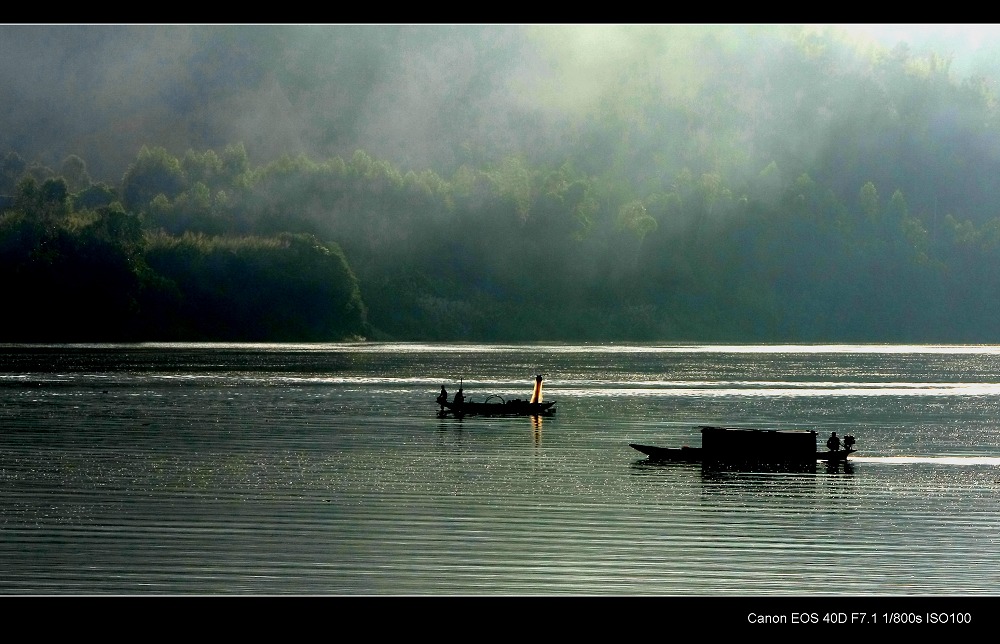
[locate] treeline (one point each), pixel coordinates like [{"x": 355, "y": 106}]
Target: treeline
[
  {"x": 853, "y": 201},
  {"x": 208, "y": 246},
  {"x": 79, "y": 267}
]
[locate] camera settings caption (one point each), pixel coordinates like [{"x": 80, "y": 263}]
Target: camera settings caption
[{"x": 861, "y": 618}]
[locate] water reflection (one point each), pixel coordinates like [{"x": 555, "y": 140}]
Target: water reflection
[
  {"x": 716, "y": 470},
  {"x": 536, "y": 429},
  {"x": 448, "y": 421},
  {"x": 847, "y": 467}
]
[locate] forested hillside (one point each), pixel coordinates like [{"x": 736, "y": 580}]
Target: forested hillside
[{"x": 713, "y": 184}]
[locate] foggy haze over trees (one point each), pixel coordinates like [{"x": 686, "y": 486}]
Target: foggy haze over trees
[{"x": 715, "y": 183}]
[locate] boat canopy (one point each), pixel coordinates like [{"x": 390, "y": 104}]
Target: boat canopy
[{"x": 735, "y": 443}]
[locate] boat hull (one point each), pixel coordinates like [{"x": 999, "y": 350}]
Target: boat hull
[
  {"x": 678, "y": 454},
  {"x": 510, "y": 408},
  {"x": 834, "y": 456}
]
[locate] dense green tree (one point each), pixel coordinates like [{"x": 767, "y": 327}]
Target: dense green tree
[
  {"x": 95, "y": 196},
  {"x": 74, "y": 170},
  {"x": 869, "y": 200},
  {"x": 287, "y": 288},
  {"x": 154, "y": 172},
  {"x": 203, "y": 167}
]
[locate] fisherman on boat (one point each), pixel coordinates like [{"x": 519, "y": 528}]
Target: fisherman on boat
[
  {"x": 833, "y": 443},
  {"x": 459, "y": 397},
  {"x": 442, "y": 397}
]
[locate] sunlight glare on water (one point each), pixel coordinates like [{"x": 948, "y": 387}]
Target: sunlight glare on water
[{"x": 326, "y": 469}]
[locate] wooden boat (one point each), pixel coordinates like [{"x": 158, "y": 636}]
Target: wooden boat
[
  {"x": 516, "y": 407},
  {"x": 740, "y": 445},
  {"x": 495, "y": 405},
  {"x": 694, "y": 454}
]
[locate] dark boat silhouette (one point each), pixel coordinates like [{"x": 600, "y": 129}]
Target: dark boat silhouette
[
  {"x": 742, "y": 445},
  {"x": 495, "y": 405}
]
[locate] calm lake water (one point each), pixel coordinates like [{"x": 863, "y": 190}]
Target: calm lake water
[{"x": 325, "y": 469}]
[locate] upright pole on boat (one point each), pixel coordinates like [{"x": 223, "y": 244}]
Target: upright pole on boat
[{"x": 536, "y": 395}]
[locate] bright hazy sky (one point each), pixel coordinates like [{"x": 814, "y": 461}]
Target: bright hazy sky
[{"x": 973, "y": 35}]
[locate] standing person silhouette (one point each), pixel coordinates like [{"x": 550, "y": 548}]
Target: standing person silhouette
[{"x": 833, "y": 443}]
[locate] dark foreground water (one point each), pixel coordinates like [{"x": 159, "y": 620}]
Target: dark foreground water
[{"x": 324, "y": 469}]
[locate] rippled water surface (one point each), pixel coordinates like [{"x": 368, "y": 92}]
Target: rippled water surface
[{"x": 325, "y": 469}]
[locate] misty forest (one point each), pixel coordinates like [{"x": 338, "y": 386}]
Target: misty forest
[{"x": 496, "y": 183}]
